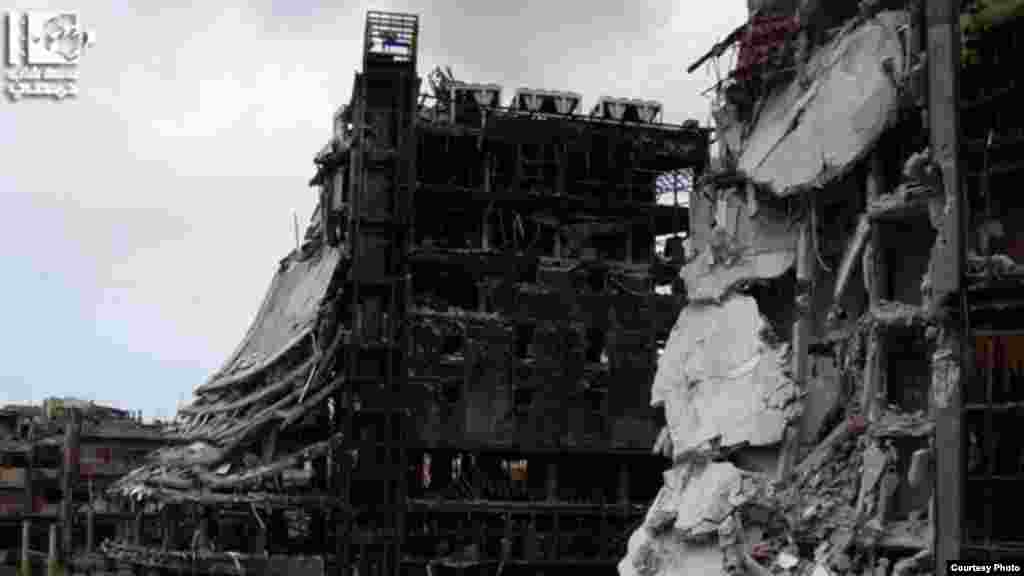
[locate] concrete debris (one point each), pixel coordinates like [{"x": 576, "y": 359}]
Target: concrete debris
[
  {"x": 663, "y": 445},
  {"x": 661, "y": 521},
  {"x": 920, "y": 467},
  {"x": 720, "y": 383},
  {"x": 806, "y": 136},
  {"x": 907, "y": 198},
  {"x": 668, "y": 555},
  {"x": 894, "y": 424},
  {"x": 285, "y": 319},
  {"x": 702, "y": 497},
  {"x": 734, "y": 385},
  {"x": 872, "y": 466},
  {"x": 846, "y": 267},
  {"x": 994, "y": 265},
  {"x": 787, "y": 561},
  {"x": 733, "y": 242},
  {"x": 898, "y": 314},
  {"x": 920, "y": 563},
  {"x": 703, "y": 284}
]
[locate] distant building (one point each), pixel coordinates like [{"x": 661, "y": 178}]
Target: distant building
[{"x": 32, "y": 459}]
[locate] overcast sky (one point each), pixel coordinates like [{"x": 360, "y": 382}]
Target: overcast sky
[{"x": 141, "y": 223}]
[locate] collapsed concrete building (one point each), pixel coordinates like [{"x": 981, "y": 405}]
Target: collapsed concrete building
[
  {"x": 839, "y": 304},
  {"x": 450, "y": 373},
  {"x": 471, "y": 327}
]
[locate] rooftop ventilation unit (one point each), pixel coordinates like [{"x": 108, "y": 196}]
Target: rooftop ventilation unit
[
  {"x": 469, "y": 100},
  {"x": 546, "y": 101},
  {"x": 627, "y": 110}
]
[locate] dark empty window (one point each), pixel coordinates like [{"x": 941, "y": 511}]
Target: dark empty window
[
  {"x": 523, "y": 398},
  {"x": 524, "y": 340},
  {"x": 452, "y": 344},
  {"x": 595, "y": 344},
  {"x": 908, "y": 369}
]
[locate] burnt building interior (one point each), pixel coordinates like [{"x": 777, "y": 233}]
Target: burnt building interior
[
  {"x": 451, "y": 372},
  {"x": 993, "y": 394}
]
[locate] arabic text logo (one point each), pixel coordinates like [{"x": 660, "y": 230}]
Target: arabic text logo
[{"x": 43, "y": 48}]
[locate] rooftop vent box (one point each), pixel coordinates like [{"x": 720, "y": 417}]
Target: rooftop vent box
[
  {"x": 469, "y": 100},
  {"x": 627, "y": 110},
  {"x": 546, "y": 101}
]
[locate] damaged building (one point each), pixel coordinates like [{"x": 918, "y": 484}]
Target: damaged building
[
  {"x": 57, "y": 460},
  {"x": 451, "y": 373},
  {"x": 464, "y": 364},
  {"x": 849, "y": 275}
]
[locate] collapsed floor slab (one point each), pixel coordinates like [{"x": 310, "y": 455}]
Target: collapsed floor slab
[{"x": 720, "y": 382}]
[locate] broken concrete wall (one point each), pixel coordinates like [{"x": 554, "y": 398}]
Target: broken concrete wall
[
  {"x": 735, "y": 237},
  {"x": 744, "y": 403},
  {"x": 814, "y": 128},
  {"x": 648, "y": 556},
  {"x": 679, "y": 533},
  {"x": 720, "y": 382}
]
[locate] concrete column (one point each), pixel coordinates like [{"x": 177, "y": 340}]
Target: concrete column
[
  {"x": 26, "y": 561},
  {"x": 30, "y": 474},
  {"x": 90, "y": 531},
  {"x": 623, "y": 483},
  {"x": 552, "y": 480},
  {"x": 137, "y": 529},
  {"x": 876, "y": 284},
  {"x": 72, "y": 447},
  {"x": 485, "y": 240},
  {"x": 629, "y": 244},
  {"x": 805, "y": 273},
  {"x": 945, "y": 270},
  {"x": 169, "y": 527},
  {"x": 52, "y": 558}
]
